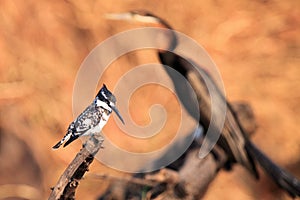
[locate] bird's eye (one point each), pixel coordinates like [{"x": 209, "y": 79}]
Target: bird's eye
[{"x": 95, "y": 101}]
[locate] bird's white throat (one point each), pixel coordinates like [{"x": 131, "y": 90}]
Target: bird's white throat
[{"x": 103, "y": 105}]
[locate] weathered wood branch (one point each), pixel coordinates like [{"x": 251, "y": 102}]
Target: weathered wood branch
[
  {"x": 194, "y": 176},
  {"x": 189, "y": 181},
  {"x": 69, "y": 180}
]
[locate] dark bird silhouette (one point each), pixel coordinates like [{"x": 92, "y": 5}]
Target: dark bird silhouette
[{"x": 233, "y": 140}]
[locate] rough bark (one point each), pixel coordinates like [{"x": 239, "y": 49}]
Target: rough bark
[{"x": 69, "y": 180}]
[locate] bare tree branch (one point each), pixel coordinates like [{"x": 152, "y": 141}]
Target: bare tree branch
[{"x": 69, "y": 180}]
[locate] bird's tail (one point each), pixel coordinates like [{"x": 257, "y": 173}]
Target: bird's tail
[
  {"x": 57, "y": 145},
  {"x": 283, "y": 179},
  {"x": 65, "y": 138}
]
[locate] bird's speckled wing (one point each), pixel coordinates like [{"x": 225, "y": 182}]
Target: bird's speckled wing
[{"x": 87, "y": 120}]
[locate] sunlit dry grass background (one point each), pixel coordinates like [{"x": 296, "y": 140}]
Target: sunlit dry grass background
[{"x": 255, "y": 44}]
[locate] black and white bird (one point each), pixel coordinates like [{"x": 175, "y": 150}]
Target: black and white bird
[{"x": 93, "y": 118}]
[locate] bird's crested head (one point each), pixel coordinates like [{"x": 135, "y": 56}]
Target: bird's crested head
[{"x": 107, "y": 100}]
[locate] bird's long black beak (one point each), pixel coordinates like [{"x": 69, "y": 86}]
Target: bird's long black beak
[{"x": 118, "y": 113}]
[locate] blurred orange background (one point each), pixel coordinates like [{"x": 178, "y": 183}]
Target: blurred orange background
[{"x": 255, "y": 44}]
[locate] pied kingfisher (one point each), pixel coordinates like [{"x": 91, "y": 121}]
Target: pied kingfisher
[{"x": 93, "y": 118}]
